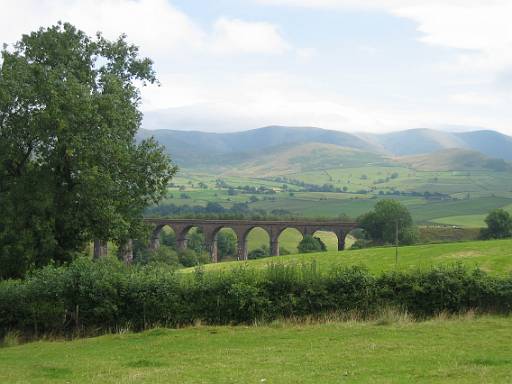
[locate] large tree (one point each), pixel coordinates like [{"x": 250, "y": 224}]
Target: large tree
[
  {"x": 499, "y": 225},
  {"x": 70, "y": 168},
  {"x": 388, "y": 216}
]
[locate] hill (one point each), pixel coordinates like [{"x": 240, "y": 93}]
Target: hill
[
  {"x": 197, "y": 149},
  {"x": 491, "y": 256},
  {"x": 284, "y": 160},
  {"x": 454, "y": 159}
]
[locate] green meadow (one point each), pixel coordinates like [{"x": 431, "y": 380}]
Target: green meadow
[
  {"x": 468, "y": 195},
  {"x": 494, "y": 256},
  {"x": 391, "y": 349}
]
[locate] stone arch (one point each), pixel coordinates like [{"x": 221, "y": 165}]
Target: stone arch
[
  {"x": 290, "y": 229},
  {"x": 239, "y": 238},
  {"x": 329, "y": 236},
  {"x": 264, "y": 231},
  {"x": 159, "y": 232},
  {"x": 350, "y": 232},
  {"x": 179, "y": 230},
  {"x": 183, "y": 234}
]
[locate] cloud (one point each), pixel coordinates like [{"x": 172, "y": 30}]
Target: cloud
[
  {"x": 238, "y": 36},
  {"x": 481, "y": 29},
  {"x": 474, "y": 98},
  {"x": 155, "y": 25}
]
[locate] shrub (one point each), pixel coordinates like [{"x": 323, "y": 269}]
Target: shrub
[
  {"x": 311, "y": 244},
  {"x": 89, "y": 296},
  {"x": 165, "y": 255},
  {"x": 257, "y": 253}
]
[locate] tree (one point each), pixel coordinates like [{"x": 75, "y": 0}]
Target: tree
[
  {"x": 226, "y": 244},
  {"x": 381, "y": 223},
  {"x": 195, "y": 241},
  {"x": 499, "y": 225},
  {"x": 70, "y": 168},
  {"x": 311, "y": 244}
]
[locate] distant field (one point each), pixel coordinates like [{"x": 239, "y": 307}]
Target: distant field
[
  {"x": 438, "y": 351},
  {"x": 493, "y": 256},
  {"x": 475, "y": 192}
]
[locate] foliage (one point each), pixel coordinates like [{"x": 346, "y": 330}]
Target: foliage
[
  {"x": 70, "y": 169},
  {"x": 388, "y": 216},
  {"x": 107, "y": 294},
  {"x": 226, "y": 244},
  {"x": 310, "y": 244},
  {"x": 259, "y": 253},
  {"x": 168, "y": 256},
  {"x": 195, "y": 241},
  {"x": 499, "y": 225}
]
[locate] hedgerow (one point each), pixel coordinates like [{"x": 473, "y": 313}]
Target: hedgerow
[{"x": 88, "y": 296}]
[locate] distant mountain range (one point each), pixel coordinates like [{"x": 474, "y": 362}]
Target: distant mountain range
[{"x": 269, "y": 147}]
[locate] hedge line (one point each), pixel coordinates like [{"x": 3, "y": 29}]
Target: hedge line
[{"x": 106, "y": 295}]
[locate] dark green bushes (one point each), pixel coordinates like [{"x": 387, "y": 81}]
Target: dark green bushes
[{"x": 99, "y": 296}]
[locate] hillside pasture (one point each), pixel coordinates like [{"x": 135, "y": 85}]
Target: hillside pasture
[{"x": 493, "y": 256}]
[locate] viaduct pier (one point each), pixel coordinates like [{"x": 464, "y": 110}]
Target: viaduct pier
[{"x": 210, "y": 228}]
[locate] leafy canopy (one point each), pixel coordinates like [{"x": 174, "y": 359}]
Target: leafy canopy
[
  {"x": 70, "y": 169},
  {"x": 310, "y": 244},
  {"x": 499, "y": 225},
  {"x": 381, "y": 223}
]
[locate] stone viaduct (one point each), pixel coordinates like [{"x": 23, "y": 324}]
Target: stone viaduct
[{"x": 210, "y": 228}]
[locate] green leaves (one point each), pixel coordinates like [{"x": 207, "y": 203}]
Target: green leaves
[
  {"x": 70, "y": 168},
  {"x": 381, "y": 223},
  {"x": 499, "y": 225}
]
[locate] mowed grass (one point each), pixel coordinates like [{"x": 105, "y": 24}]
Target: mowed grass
[
  {"x": 462, "y": 350},
  {"x": 494, "y": 256}
]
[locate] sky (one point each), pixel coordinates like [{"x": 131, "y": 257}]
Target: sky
[{"x": 351, "y": 65}]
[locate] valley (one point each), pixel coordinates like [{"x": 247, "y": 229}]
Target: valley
[{"x": 312, "y": 173}]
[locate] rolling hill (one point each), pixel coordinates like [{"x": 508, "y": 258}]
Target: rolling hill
[
  {"x": 195, "y": 149},
  {"x": 454, "y": 159}
]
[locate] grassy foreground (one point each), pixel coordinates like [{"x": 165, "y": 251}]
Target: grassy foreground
[
  {"x": 494, "y": 256},
  {"x": 459, "y": 350}
]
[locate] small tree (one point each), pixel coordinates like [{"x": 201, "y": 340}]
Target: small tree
[{"x": 499, "y": 225}]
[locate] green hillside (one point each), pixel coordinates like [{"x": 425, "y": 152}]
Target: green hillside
[
  {"x": 454, "y": 159},
  {"x": 492, "y": 256}
]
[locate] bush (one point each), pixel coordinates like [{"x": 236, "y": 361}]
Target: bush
[
  {"x": 258, "y": 253},
  {"x": 190, "y": 258},
  {"x": 91, "y": 297},
  {"x": 360, "y": 244},
  {"x": 311, "y": 244},
  {"x": 164, "y": 255}
]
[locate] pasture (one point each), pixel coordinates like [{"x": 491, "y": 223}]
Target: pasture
[
  {"x": 494, "y": 256},
  {"x": 387, "y": 350},
  {"x": 468, "y": 195}
]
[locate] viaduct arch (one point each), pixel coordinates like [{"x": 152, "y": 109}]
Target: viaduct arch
[{"x": 210, "y": 228}]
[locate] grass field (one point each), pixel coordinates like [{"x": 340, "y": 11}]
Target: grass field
[
  {"x": 493, "y": 256},
  {"x": 473, "y": 194},
  {"x": 464, "y": 350}
]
